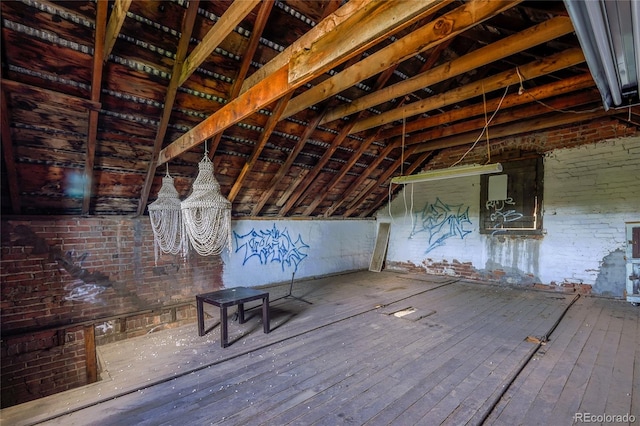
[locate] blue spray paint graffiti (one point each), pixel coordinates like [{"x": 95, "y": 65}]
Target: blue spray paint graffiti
[
  {"x": 441, "y": 221},
  {"x": 271, "y": 245}
]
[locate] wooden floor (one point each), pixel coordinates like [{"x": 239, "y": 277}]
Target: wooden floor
[{"x": 463, "y": 353}]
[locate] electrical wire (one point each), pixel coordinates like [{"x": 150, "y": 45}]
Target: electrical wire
[{"x": 484, "y": 129}]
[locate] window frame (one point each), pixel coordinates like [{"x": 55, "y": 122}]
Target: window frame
[{"x": 521, "y": 213}]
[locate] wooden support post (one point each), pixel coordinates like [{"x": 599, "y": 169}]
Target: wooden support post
[{"x": 90, "y": 353}]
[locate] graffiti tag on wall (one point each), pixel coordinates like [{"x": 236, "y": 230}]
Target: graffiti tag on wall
[
  {"x": 442, "y": 221},
  {"x": 500, "y": 214},
  {"x": 271, "y": 245}
]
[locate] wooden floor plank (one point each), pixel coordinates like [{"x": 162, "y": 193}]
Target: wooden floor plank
[
  {"x": 515, "y": 405},
  {"x": 461, "y": 384},
  {"x": 347, "y": 359},
  {"x": 619, "y": 398}
]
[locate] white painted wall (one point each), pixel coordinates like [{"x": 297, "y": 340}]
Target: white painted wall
[
  {"x": 270, "y": 251},
  {"x": 589, "y": 194}
]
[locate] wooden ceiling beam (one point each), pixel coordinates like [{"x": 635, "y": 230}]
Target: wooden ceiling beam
[
  {"x": 347, "y": 32},
  {"x": 382, "y": 198},
  {"x": 536, "y": 124},
  {"x": 118, "y": 15},
  {"x": 238, "y": 10},
  {"x": 504, "y": 117},
  {"x": 535, "y": 94},
  {"x": 418, "y": 41},
  {"x": 556, "y": 62},
  {"x": 373, "y": 136},
  {"x": 511, "y": 45},
  {"x": 188, "y": 22},
  {"x": 363, "y": 177},
  {"x": 262, "y": 142},
  {"x": 7, "y": 152},
  {"x": 46, "y": 95},
  {"x": 277, "y": 178},
  {"x": 301, "y": 186},
  {"x": 252, "y": 46},
  {"x": 355, "y": 204},
  {"x": 96, "y": 86},
  {"x": 558, "y": 88},
  {"x": 333, "y": 41}
]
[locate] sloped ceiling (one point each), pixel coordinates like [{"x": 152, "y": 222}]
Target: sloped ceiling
[{"x": 306, "y": 108}]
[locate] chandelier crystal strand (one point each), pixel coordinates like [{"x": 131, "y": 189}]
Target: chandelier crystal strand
[
  {"x": 166, "y": 219},
  {"x": 206, "y": 214}
]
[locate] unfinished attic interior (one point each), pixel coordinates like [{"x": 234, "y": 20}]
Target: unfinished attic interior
[{"x": 431, "y": 209}]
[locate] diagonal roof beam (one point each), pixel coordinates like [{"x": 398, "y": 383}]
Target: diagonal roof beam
[
  {"x": 503, "y": 131},
  {"x": 252, "y": 46},
  {"x": 513, "y": 44},
  {"x": 9, "y": 157},
  {"x": 96, "y": 85},
  {"x": 420, "y": 40},
  {"x": 381, "y": 81},
  {"x": 183, "y": 68},
  {"x": 558, "y": 61},
  {"x": 309, "y": 129},
  {"x": 536, "y": 124},
  {"x": 363, "y": 177},
  {"x": 506, "y": 116},
  {"x": 216, "y": 35},
  {"x": 262, "y": 141},
  {"x": 118, "y": 15},
  {"x": 560, "y": 87},
  {"x": 355, "y": 204},
  {"x": 170, "y": 97},
  {"x": 301, "y": 186},
  {"x": 537, "y": 94},
  {"x": 384, "y": 197},
  {"x": 348, "y": 32}
]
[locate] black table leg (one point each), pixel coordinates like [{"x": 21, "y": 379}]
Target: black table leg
[
  {"x": 265, "y": 314},
  {"x": 224, "y": 333},
  {"x": 200, "y": 311},
  {"x": 241, "y": 313}
]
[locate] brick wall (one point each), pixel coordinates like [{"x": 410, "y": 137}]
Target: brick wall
[{"x": 62, "y": 273}]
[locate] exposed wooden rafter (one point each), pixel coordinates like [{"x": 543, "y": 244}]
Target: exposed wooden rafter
[
  {"x": 96, "y": 86},
  {"x": 176, "y": 75},
  {"x": 320, "y": 49},
  {"x": 118, "y": 15}
]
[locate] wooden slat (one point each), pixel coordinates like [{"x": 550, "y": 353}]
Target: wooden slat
[
  {"x": 90, "y": 353},
  {"x": 46, "y": 95}
]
